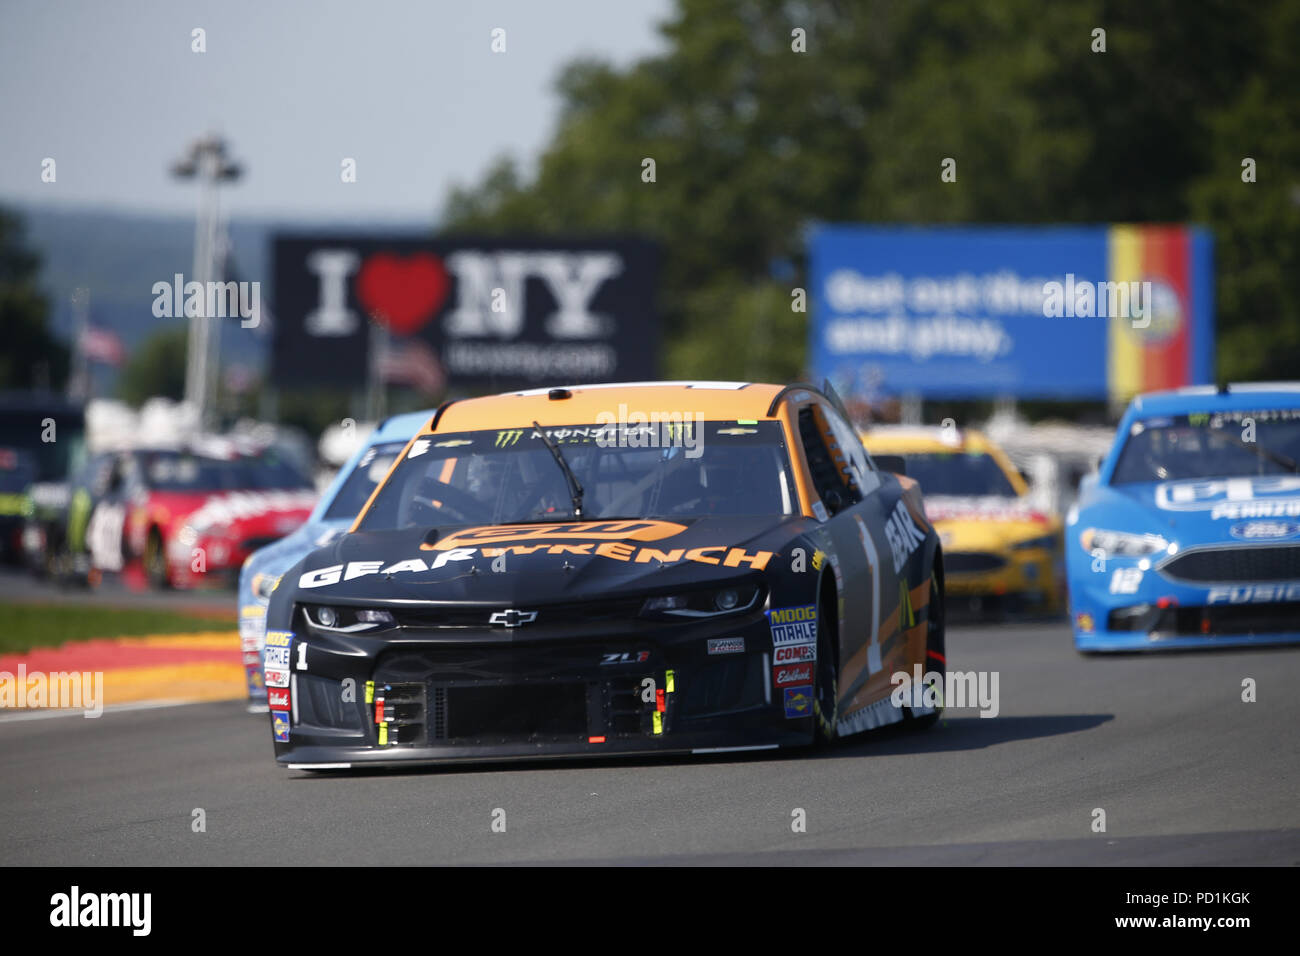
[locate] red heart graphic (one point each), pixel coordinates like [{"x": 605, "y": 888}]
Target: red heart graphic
[{"x": 402, "y": 293}]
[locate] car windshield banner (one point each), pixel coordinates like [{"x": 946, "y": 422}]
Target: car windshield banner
[
  {"x": 1076, "y": 313},
  {"x": 468, "y": 313}
]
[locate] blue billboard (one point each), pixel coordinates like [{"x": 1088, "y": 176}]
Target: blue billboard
[{"x": 969, "y": 312}]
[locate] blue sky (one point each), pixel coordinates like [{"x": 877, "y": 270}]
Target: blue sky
[{"x": 411, "y": 90}]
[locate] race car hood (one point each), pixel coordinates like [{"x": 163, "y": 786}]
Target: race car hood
[
  {"x": 280, "y": 556},
  {"x": 1240, "y": 509},
  {"x": 987, "y": 522},
  {"x": 239, "y": 513},
  {"x": 543, "y": 563}
]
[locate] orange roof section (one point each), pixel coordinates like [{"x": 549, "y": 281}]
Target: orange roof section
[{"x": 715, "y": 401}]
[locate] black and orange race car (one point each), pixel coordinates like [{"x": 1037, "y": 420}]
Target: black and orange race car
[{"x": 615, "y": 569}]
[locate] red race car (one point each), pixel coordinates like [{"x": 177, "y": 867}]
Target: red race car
[{"x": 190, "y": 519}]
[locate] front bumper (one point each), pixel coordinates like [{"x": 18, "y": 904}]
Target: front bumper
[
  {"x": 252, "y": 636},
  {"x": 1031, "y": 575},
  {"x": 1117, "y": 641},
  {"x": 1161, "y": 614},
  {"x": 475, "y": 694}
]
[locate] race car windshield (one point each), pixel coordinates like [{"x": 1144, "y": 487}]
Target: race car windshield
[
  {"x": 17, "y": 471},
  {"x": 959, "y": 473},
  {"x": 168, "y": 471},
  {"x": 183, "y": 472},
  {"x": 268, "y": 471},
  {"x": 359, "y": 485},
  {"x": 653, "y": 471},
  {"x": 1207, "y": 445}
]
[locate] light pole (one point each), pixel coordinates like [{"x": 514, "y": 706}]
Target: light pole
[{"x": 205, "y": 160}]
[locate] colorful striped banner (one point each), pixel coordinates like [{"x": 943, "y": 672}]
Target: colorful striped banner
[{"x": 1166, "y": 352}]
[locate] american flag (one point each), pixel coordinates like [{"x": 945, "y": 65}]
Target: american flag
[
  {"x": 101, "y": 345},
  {"x": 414, "y": 364}
]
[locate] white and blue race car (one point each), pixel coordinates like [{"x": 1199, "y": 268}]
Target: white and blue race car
[
  {"x": 1188, "y": 536},
  {"x": 333, "y": 515}
]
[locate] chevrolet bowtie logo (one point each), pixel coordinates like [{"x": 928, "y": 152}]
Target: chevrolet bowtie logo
[{"x": 513, "y": 618}]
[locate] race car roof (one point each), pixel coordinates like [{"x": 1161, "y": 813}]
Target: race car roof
[
  {"x": 399, "y": 427},
  {"x": 1208, "y": 398},
  {"x": 575, "y": 404}
]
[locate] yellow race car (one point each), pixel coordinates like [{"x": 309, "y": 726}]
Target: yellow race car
[{"x": 998, "y": 549}]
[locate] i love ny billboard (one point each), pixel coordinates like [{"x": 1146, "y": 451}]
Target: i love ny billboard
[{"x": 497, "y": 313}]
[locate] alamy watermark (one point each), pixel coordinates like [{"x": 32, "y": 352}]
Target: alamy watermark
[
  {"x": 633, "y": 429},
  {"x": 38, "y": 690},
  {"x": 213, "y": 300},
  {"x": 954, "y": 689},
  {"x": 1087, "y": 300}
]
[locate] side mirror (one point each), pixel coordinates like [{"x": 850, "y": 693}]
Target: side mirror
[{"x": 891, "y": 463}]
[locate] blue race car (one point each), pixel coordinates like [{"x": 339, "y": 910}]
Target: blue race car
[
  {"x": 333, "y": 515},
  {"x": 1189, "y": 534}
]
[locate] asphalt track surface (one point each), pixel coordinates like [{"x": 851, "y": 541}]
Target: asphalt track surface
[
  {"x": 1186, "y": 772},
  {"x": 17, "y": 586}
]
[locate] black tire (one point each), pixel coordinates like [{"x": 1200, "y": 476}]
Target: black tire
[
  {"x": 155, "y": 561},
  {"x": 935, "y": 653},
  {"x": 826, "y": 686}
]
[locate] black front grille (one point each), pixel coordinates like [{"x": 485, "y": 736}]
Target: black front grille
[
  {"x": 725, "y": 687},
  {"x": 432, "y": 615},
  {"x": 1263, "y": 618},
  {"x": 531, "y": 712},
  {"x": 971, "y": 562},
  {"x": 1253, "y": 563},
  {"x": 321, "y": 703},
  {"x": 404, "y": 712}
]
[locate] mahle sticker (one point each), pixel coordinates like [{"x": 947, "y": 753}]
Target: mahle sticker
[{"x": 793, "y": 625}]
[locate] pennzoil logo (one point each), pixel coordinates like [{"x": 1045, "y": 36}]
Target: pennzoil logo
[{"x": 633, "y": 530}]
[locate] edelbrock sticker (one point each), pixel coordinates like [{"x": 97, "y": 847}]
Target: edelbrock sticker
[{"x": 790, "y": 674}]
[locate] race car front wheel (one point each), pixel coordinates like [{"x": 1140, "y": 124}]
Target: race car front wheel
[
  {"x": 155, "y": 560},
  {"x": 936, "y": 664},
  {"x": 826, "y": 689}
]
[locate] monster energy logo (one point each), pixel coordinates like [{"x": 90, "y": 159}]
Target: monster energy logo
[
  {"x": 509, "y": 437},
  {"x": 654, "y": 429}
]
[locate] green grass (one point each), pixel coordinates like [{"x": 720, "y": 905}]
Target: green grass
[{"x": 24, "y": 626}]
